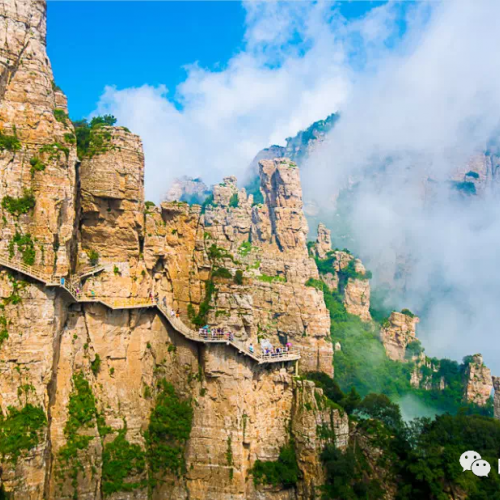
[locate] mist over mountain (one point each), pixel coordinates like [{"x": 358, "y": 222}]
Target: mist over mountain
[{"x": 399, "y": 158}]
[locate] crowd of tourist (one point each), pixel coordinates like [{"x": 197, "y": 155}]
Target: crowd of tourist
[
  {"x": 268, "y": 350},
  {"x": 215, "y": 333}
]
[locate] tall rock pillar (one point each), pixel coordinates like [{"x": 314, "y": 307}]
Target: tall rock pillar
[
  {"x": 496, "y": 400},
  {"x": 38, "y": 164}
]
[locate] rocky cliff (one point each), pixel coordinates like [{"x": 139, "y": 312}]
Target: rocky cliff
[
  {"x": 100, "y": 394},
  {"x": 496, "y": 400},
  {"x": 397, "y": 333},
  {"x": 342, "y": 272},
  {"x": 478, "y": 381},
  {"x": 247, "y": 267}
]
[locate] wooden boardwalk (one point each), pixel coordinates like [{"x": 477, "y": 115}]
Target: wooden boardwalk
[{"x": 70, "y": 285}]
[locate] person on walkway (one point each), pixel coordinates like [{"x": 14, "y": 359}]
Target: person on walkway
[
  {"x": 172, "y": 313},
  {"x": 250, "y": 348},
  {"x": 92, "y": 293},
  {"x": 231, "y": 336},
  {"x": 164, "y": 302},
  {"x": 177, "y": 314}
]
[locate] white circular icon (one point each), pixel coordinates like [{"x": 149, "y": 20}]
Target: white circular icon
[
  {"x": 468, "y": 458},
  {"x": 480, "y": 468}
]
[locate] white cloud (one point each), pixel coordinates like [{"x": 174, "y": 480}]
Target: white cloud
[
  {"x": 295, "y": 69},
  {"x": 425, "y": 110}
]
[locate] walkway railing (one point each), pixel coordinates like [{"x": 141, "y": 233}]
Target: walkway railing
[{"x": 70, "y": 285}]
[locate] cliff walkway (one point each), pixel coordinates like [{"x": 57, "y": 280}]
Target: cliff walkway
[{"x": 71, "y": 286}]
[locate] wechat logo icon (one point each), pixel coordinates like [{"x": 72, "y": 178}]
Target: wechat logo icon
[{"x": 471, "y": 460}]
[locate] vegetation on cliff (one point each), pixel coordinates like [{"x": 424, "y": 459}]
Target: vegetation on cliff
[
  {"x": 326, "y": 266},
  {"x": 53, "y": 151},
  {"x": 25, "y": 245},
  {"x": 61, "y": 116},
  {"x": 20, "y": 431},
  {"x": 253, "y": 188},
  {"x": 168, "y": 430},
  {"x": 82, "y": 414},
  {"x": 36, "y": 165},
  {"x": 284, "y": 471},
  {"x": 21, "y": 205},
  {"x": 9, "y": 142},
  {"x": 363, "y": 364},
  {"x": 297, "y": 146},
  {"x": 91, "y": 138},
  {"x": 120, "y": 461}
]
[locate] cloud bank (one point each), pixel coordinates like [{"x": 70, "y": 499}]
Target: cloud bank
[
  {"x": 427, "y": 109},
  {"x": 299, "y": 63}
]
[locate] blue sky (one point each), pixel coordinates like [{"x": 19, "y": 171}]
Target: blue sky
[{"x": 128, "y": 44}]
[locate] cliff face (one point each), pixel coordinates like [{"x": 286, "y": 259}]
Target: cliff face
[
  {"x": 118, "y": 402},
  {"x": 496, "y": 399},
  {"x": 478, "y": 381},
  {"x": 265, "y": 245},
  {"x": 39, "y": 162},
  {"x": 397, "y": 334},
  {"x": 37, "y": 188},
  {"x": 347, "y": 275}
]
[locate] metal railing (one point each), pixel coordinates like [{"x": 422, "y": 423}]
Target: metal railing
[{"x": 139, "y": 302}]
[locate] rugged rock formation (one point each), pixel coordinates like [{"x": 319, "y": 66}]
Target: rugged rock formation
[
  {"x": 478, "y": 381},
  {"x": 312, "y": 429},
  {"x": 323, "y": 242},
  {"x": 347, "y": 275},
  {"x": 478, "y": 176},
  {"x": 307, "y": 141},
  {"x": 264, "y": 244},
  {"x": 496, "y": 400},
  {"x": 422, "y": 374},
  {"x": 112, "y": 204},
  {"x": 86, "y": 379},
  {"x": 40, "y": 161},
  {"x": 397, "y": 334},
  {"x": 357, "y": 293}
]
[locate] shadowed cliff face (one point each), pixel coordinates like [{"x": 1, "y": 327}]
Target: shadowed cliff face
[{"x": 100, "y": 390}]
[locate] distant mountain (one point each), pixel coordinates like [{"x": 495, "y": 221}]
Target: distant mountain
[{"x": 188, "y": 189}]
